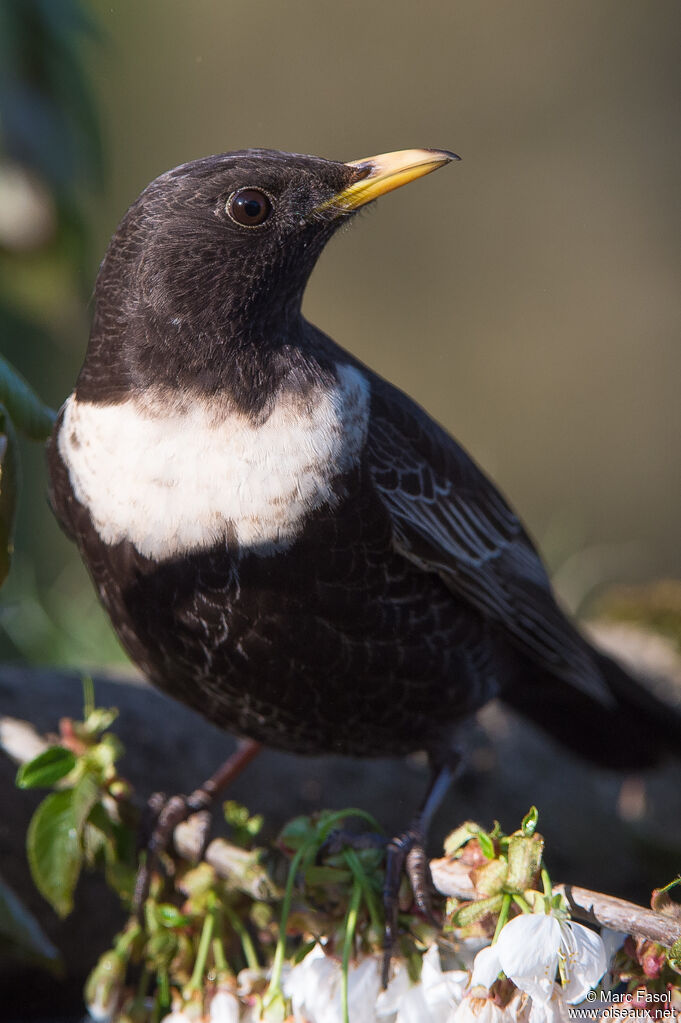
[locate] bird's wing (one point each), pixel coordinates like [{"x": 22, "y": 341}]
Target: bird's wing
[{"x": 449, "y": 518}]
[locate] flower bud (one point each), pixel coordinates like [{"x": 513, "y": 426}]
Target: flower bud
[{"x": 104, "y": 986}]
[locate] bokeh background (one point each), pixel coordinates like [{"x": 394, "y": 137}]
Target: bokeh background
[{"x": 528, "y": 296}]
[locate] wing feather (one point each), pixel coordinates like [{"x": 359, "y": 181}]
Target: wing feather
[{"x": 449, "y": 518}]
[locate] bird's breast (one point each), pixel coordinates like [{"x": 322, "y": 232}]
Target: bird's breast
[{"x": 185, "y": 477}]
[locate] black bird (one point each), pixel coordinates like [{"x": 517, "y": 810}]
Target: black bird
[{"x": 283, "y": 540}]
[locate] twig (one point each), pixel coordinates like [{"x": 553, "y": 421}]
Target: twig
[
  {"x": 620, "y": 915},
  {"x": 449, "y": 879},
  {"x": 593, "y": 907}
]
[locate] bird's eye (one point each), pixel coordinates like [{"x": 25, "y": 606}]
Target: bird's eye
[{"x": 249, "y": 207}]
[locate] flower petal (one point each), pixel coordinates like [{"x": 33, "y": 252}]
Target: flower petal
[
  {"x": 553, "y": 1010},
  {"x": 224, "y": 1008},
  {"x": 442, "y": 989},
  {"x": 483, "y": 1010},
  {"x": 364, "y": 984},
  {"x": 585, "y": 959},
  {"x": 389, "y": 1000},
  {"x": 413, "y": 1007},
  {"x": 528, "y": 952},
  {"x": 486, "y": 967}
]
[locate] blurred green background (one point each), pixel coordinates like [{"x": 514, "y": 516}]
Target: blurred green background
[{"x": 528, "y": 297}]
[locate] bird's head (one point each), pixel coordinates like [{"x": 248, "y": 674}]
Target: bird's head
[{"x": 215, "y": 254}]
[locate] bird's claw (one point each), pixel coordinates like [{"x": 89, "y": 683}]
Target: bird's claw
[
  {"x": 161, "y": 818},
  {"x": 406, "y": 854}
]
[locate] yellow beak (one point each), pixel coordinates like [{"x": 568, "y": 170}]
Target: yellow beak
[{"x": 381, "y": 174}]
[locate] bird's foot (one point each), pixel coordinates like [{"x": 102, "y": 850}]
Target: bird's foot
[
  {"x": 406, "y": 854},
  {"x": 162, "y": 815}
]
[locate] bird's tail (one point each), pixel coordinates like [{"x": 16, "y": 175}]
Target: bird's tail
[{"x": 641, "y": 728}]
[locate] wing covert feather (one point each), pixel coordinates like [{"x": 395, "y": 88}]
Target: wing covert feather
[{"x": 449, "y": 518}]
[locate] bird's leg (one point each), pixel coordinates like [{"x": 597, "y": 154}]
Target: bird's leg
[
  {"x": 166, "y": 814},
  {"x": 406, "y": 852}
]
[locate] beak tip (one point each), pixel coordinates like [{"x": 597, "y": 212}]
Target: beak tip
[{"x": 446, "y": 154}]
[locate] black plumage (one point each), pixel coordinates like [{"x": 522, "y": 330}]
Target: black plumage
[{"x": 392, "y": 601}]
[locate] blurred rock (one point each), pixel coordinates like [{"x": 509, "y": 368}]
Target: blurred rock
[{"x": 614, "y": 834}]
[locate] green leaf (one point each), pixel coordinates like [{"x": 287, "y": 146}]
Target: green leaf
[
  {"x": 323, "y": 875},
  {"x": 296, "y": 833},
  {"x": 472, "y": 912},
  {"x": 27, "y": 411},
  {"x": 54, "y": 851},
  {"x": 486, "y": 844},
  {"x": 9, "y": 481},
  {"x": 244, "y": 827},
  {"x": 21, "y": 936},
  {"x": 169, "y": 916},
  {"x": 46, "y": 769},
  {"x": 98, "y": 720},
  {"x": 529, "y": 825},
  {"x": 85, "y": 794},
  {"x": 458, "y": 838}
]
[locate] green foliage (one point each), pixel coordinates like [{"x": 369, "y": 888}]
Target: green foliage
[
  {"x": 8, "y": 491},
  {"x": 55, "y": 854},
  {"x": 49, "y": 118},
  {"x": 46, "y": 769},
  {"x": 248, "y": 910},
  {"x": 504, "y": 869},
  {"x": 244, "y": 828},
  {"x": 72, "y": 826},
  {"x": 20, "y": 407},
  {"x": 25, "y": 409}
]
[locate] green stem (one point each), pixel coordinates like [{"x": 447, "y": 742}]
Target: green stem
[
  {"x": 278, "y": 962},
  {"x": 237, "y": 924},
  {"x": 668, "y": 887},
  {"x": 88, "y": 696},
  {"x": 126, "y": 939},
  {"x": 219, "y": 956},
  {"x": 142, "y": 987},
  {"x": 150, "y": 921},
  {"x": 313, "y": 843},
  {"x": 350, "y": 925},
  {"x": 503, "y": 916},
  {"x": 202, "y": 954},
  {"x": 163, "y": 990},
  {"x": 522, "y": 903},
  {"x": 548, "y": 889},
  {"x": 353, "y": 861},
  {"x": 546, "y": 881}
]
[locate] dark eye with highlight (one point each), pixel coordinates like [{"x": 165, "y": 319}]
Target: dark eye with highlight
[{"x": 249, "y": 207}]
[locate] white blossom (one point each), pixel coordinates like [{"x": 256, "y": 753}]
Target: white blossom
[
  {"x": 224, "y": 1008},
  {"x": 314, "y": 987},
  {"x": 529, "y": 950},
  {"x": 485, "y": 1010},
  {"x": 432, "y": 1000}
]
